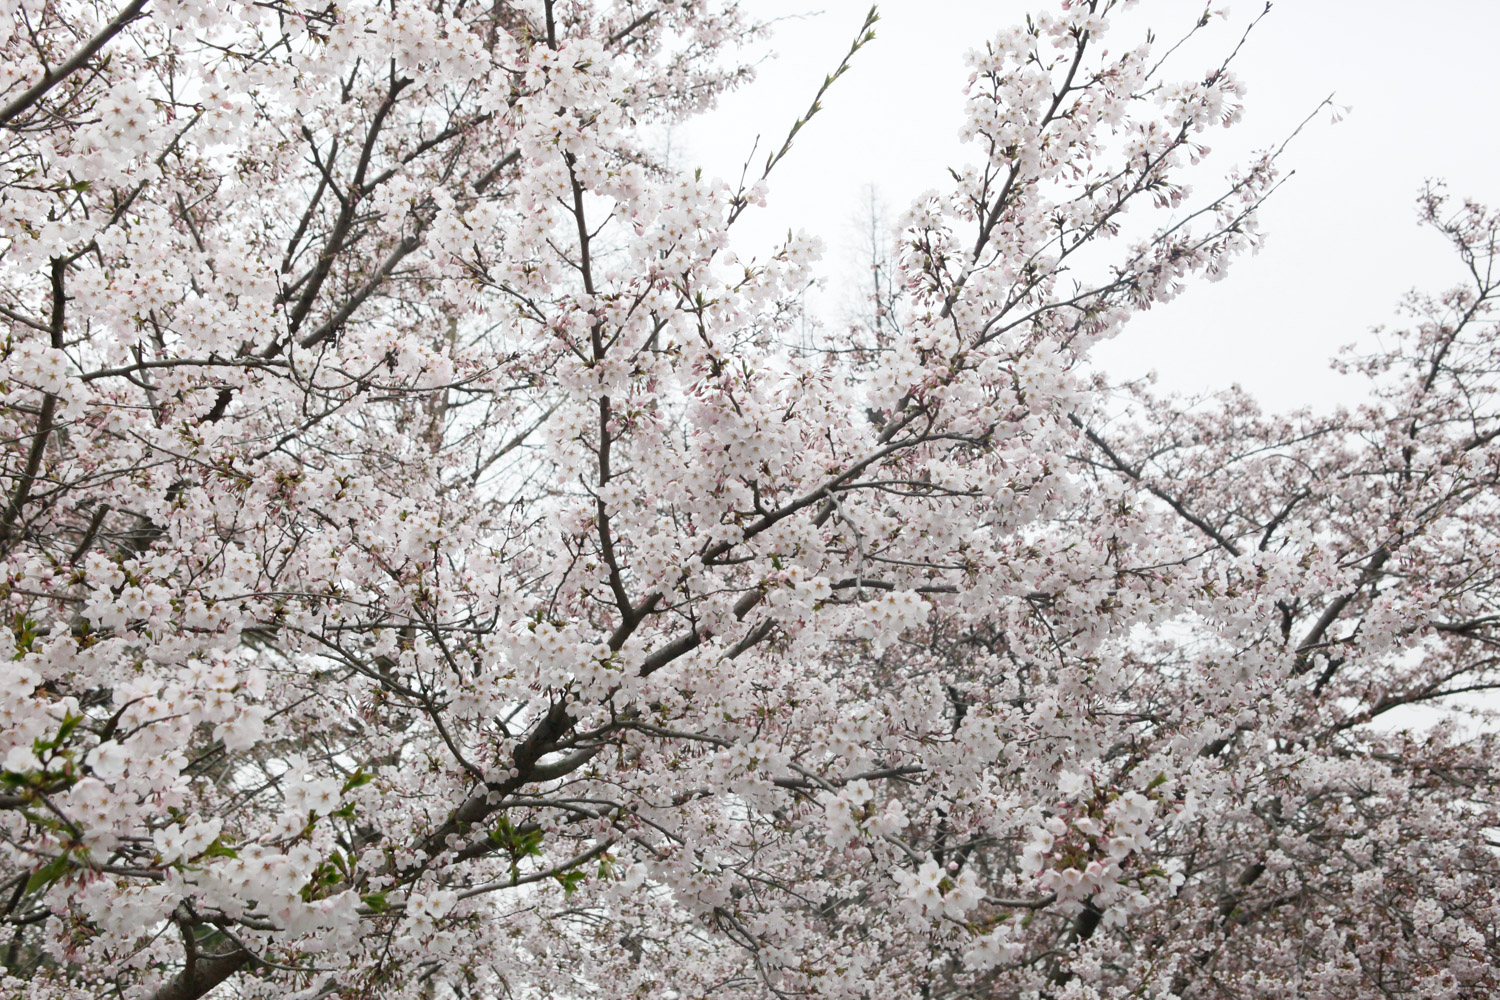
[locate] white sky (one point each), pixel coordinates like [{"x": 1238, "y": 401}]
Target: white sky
[{"x": 1343, "y": 245}]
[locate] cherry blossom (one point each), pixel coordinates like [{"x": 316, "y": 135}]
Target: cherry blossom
[{"x": 432, "y": 568}]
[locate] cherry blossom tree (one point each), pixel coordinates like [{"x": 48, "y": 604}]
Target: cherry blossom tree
[{"x": 433, "y": 568}]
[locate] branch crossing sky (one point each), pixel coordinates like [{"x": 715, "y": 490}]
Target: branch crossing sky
[{"x": 1344, "y": 245}]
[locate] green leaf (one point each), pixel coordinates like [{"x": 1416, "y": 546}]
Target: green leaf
[
  {"x": 70, "y": 722},
  {"x": 48, "y": 873},
  {"x": 570, "y": 881},
  {"x": 530, "y": 844},
  {"x": 219, "y": 849},
  {"x": 503, "y": 835},
  {"x": 375, "y": 901}
]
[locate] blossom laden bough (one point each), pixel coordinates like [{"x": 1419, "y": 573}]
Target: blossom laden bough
[{"x": 430, "y": 570}]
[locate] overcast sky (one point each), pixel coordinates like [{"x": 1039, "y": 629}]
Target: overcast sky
[{"x": 1343, "y": 244}]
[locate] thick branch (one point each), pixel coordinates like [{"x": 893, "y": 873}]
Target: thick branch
[
  {"x": 205, "y": 973},
  {"x": 44, "y": 418},
  {"x": 75, "y": 62}
]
